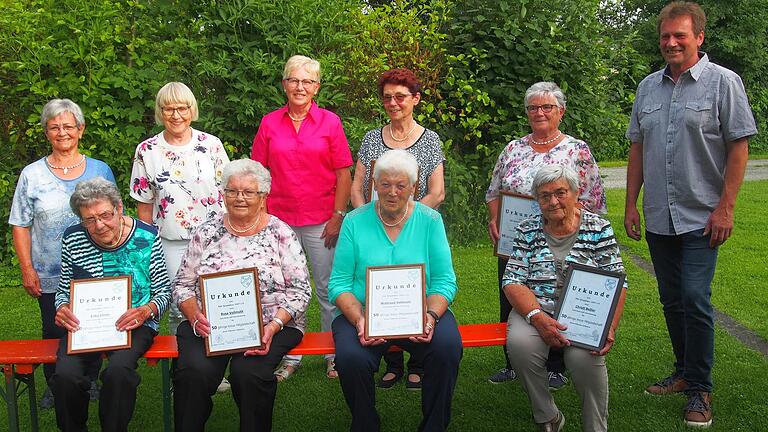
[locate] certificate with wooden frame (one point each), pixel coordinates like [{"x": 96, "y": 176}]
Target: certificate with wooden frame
[
  {"x": 513, "y": 208},
  {"x": 232, "y": 304},
  {"x": 587, "y": 304},
  {"x": 98, "y": 303},
  {"x": 395, "y": 301},
  {"x": 373, "y": 195}
]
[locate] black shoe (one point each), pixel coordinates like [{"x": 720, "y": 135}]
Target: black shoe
[
  {"x": 413, "y": 385},
  {"x": 47, "y": 401},
  {"x": 387, "y": 384}
]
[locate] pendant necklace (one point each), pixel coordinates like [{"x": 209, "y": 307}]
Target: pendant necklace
[{"x": 64, "y": 168}]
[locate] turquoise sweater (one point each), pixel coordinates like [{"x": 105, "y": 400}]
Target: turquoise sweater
[{"x": 363, "y": 243}]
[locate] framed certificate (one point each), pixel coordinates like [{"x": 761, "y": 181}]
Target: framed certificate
[
  {"x": 587, "y": 305},
  {"x": 373, "y": 195},
  {"x": 98, "y": 303},
  {"x": 395, "y": 301},
  {"x": 512, "y": 210},
  {"x": 232, "y": 303}
]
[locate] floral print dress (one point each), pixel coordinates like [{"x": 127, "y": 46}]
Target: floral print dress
[{"x": 182, "y": 182}]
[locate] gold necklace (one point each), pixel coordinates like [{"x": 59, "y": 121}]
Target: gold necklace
[
  {"x": 549, "y": 141},
  {"x": 392, "y": 135},
  {"x": 119, "y": 234},
  {"x": 378, "y": 209},
  {"x": 296, "y": 119},
  {"x": 64, "y": 168},
  {"x": 246, "y": 229}
]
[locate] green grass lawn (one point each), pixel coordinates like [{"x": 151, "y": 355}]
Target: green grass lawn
[{"x": 310, "y": 402}]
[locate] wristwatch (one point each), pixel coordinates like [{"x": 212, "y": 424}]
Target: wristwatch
[
  {"x": 341, "y": 213},
  {"x": 531, "y": 314},
  {"x": 433, "y": 314}
]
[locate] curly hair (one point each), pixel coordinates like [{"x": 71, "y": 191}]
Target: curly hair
[{"x": 400, "y": 76}]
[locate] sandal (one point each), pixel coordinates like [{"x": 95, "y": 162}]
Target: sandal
[
  {"x": 285, "y": 371},
  {"x": 413, "y": 385},
  {"x": 330, "y": 369},
  {"x": 389, "y": 383}
]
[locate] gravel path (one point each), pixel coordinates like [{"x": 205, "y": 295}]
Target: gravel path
[{"x": 616, "y": 178}]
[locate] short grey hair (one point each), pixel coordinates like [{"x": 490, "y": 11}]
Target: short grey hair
[
  {"x": 545, "y": 88},
  {"x": 247, "y": 167},
  {"x": 175, "y": 93},
  {"x": 56, "y": 107},
  {"x": 95, "y": 189},
  {"x": 552, "y": 173},
  {"x": 299, "y": 61},
  {"x": 396, "y": 162}
]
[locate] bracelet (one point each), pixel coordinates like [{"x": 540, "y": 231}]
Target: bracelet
[
  {"x": 279, "y": 322},
  {"x": 194, "y": 329},
  {"x": 151, "y": 313},
  {"x": 341, "y": 213},
  {"x": 531, "y": 314},
  {"x": 433, "y": 314}
]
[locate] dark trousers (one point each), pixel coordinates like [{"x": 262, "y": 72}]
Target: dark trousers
[
  {"x": 684, "y": 266},
  {"x": 119, "y": 382},
  {"x": 357, "y": 364},
  {"x": 556, "y": 359},
  {"x": 254, "y": 385},
  {"x": 396, "y": 363}
]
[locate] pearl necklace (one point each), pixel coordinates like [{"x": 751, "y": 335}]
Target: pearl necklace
[
  {"x": 549, "y": 141},
  {"x": 406, "y": 135},
  {"x": 119, "y": 234},
  {"x": 246, "y": 229},
  {"x": 296, "y": 119},
  {"x": 64, "y": 168},
  {"x": 405, "y": 213}
]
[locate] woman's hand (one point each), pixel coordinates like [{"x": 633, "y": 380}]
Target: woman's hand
[
  {"x": 31, "y": 282},
  {"x": 331, "y": 230},
  {"x": 429, "y": 330},
  {"x": 609, "y": 341},
  {"x": 269, "y": 331},
  {"x": 493, "y": 231},
  {"x": 549, "y": 330},
  {"x": 360, "y": 326},
  {"x": 66, "y": 319},
  {"x": 132, "y": 318},
  {"x": 200, "y": 325}
]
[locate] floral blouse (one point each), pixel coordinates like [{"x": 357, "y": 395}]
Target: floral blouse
[
  {"x": 275, "y": 251},
  {"x": 518, "y": 164},
  {"x": 181, "y": 181}
]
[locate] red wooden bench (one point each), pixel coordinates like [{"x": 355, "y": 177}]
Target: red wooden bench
[{"x": 19, "y": 358}]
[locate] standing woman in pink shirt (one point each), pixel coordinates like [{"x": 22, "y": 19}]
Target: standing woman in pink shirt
[{"x": 306, "y": 152}]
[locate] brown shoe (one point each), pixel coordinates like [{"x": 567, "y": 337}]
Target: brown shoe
[
  {"x": 554, "y": 425},
  {"x": 669, "y": 385},
  {"x": 698, "y": 412}
]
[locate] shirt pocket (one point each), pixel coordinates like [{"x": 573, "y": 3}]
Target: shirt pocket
[
  {"x": 699, "y": 116},
  {"x": 649, "y": 118}
]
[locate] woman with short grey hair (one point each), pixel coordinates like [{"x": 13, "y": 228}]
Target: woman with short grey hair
[
  {"x": 248, "y": 167},
  {"x": 518, "y": 163},
  {"x": 40, "y": 212},
  {"x": 397, "y": 162},
  {"x": 107, "y": 243}
]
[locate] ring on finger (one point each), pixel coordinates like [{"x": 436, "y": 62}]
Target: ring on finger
[
  {"x": 136, "y": 321},
  {"x": 430, "y": 326}
]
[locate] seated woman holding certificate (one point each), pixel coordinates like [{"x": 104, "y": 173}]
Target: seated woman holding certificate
[
  {"x": 544, "y": 247},
  {"x": 245, "y": 236},
  {"x": 394, "y": 230},
  {"x": 106, "y": 243}
]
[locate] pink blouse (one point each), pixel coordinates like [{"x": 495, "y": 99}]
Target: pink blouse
[{"x": 302, "y": 164}]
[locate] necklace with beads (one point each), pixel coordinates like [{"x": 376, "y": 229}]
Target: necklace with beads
[
  {"x": 119, "y": 234},
  {"x": 64, "y": 168},
  {"x": 405, "y": 213},
  {"x": 549, "y": 141},
  {"x": 296, "y": 119},
  {"x": 246, "y": 229},
  {"x": 392, "y": 135}
]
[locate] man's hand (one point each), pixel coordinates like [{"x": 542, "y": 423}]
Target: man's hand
[
  {"x": 719, "y": 226},
  {"x": 632, "y": 223}
]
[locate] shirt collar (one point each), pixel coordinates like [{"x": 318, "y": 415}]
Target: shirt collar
[
  {"x": 313, "y": 112},
  {"x": 695, "y": 70}
]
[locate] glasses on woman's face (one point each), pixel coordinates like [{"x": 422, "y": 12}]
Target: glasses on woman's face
[
  {"x": 546, "y": 108},
  {"x": 294, "y": 82},
  {"x": 247, "y": 194},
  {"x": 101, "y": 217},
  {"x": 56, "y": 129},
  {"x": 398, "y": 97},
  {"x": 545, "y": 197},
  {"x": 182, "y": 110}
]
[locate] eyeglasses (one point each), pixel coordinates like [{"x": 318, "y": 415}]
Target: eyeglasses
[
  {"x": 247, "y": 194},
  {"x": 67, "y": 128},
  {"x": 101, "y": 217},
  {"x": 294, "y": 82},
  {"x": 182, "y": 110},
  {"x": 547, "y": 196},
  {"x": 398, "y": 97},
  {"x": 546, "y": 108}
]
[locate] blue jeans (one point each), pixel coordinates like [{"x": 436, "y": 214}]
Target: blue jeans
[{"x": 684, "y": 266}]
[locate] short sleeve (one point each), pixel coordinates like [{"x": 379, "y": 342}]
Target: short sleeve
[
  {"x": 141, "y": 183},
  {"x": 260, "y": 147},
  {"x": 340, "y": 153},
  {"x": 22, "y": 211}
]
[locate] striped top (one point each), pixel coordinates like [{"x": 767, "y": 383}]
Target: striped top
[
  {"x": 140, "y": 256},
  {"x": 533, "y": 264}
]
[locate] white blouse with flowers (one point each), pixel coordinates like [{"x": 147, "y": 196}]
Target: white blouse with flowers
[{"x": 182, "y": 182}]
